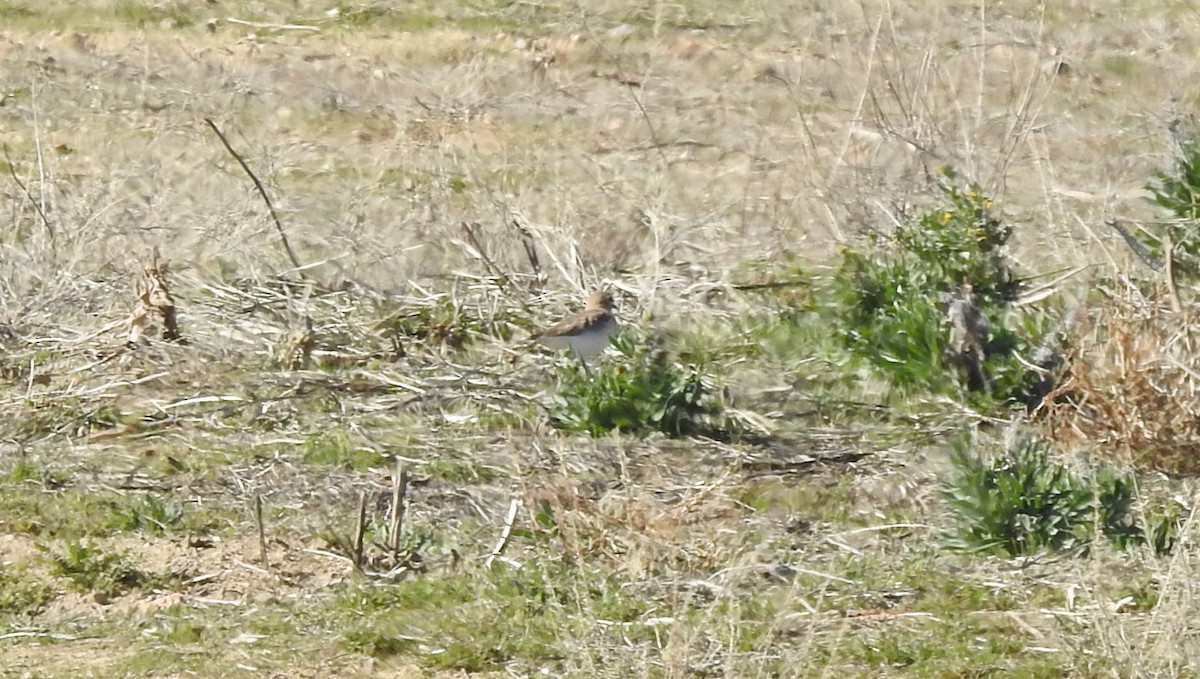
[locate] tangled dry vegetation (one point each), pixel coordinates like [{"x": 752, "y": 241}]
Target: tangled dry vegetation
[
  {"x": 267, "y": 272},
  {"x": 1132, "y": 387}
]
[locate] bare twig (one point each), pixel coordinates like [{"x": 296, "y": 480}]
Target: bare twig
[
  {"x": 473, "y": 241},
  {"x": 773, "y": 285},
  {"x": 266, "y": 199},
  {"x": 359, "y": 529},
  {"x": 399, "y": 491},
  {"x": 262, "y": 530},
  {"x": 1136, "y": 246},
  {"x": 1169, "y": 270},
  {"x": 530, "y": 246},
  {"x": 513, "y": 507},
  {"x": 12, "y": 171},
  {"x": 277, "y": 27}
]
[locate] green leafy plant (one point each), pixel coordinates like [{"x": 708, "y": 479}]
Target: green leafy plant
[
  {"x": 151, "y": 515},
  {"x": 1177, "y": 189},
  {"x": 22, "y": 592},
  {"x": 92, "y": 570},
  {"x": 645, "y": 391},
  {"x": 892, "y": 299},
  {"x": 1022, "y": 501}
]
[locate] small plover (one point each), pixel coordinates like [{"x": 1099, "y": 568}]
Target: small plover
[{"x": 586, "y": 332}]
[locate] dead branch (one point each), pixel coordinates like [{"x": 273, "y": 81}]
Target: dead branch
[
  {"x": 262, "y": 530},
  {"x": 360, "y": 528},
  {"x": 399, "y": 491},
  {"x": 12, "y": 171},
  {"x": 287, "y": 246},
  {"x": 477, "y": 249}
]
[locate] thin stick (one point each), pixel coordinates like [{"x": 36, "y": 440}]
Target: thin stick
[
  {"x": 481, "y": 253},
  {"x": 262, "y": 192},
  {"x": 277, "y": 27},
  {"x": 262, "y": 530},
  {"x": 530, "y": 249},
  {"x": 399, "y": 490},
  {"x": 1169, "y": 269},
  {"x": 36, "y": 206},
  {"x": 513, "y": 507},
  {"x": 359, "y": 529}
]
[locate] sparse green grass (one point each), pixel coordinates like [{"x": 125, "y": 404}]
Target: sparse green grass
[
  {"x": 335, "y": 449},
  {"x": 460, "y": 473},
  {"x": 74, "y": 513},
  {"x": 467, "y": 621}
]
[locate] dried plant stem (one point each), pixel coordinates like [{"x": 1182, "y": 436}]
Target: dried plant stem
[
  {"x": 399, "y": 491},
  {"x": 287, "y": 246},
  {"x": 469, "y": 230},
  {"x": 360, "y": 528},
  {"x": 262, "y": 530},
  {"x": 513, "y": 507},
  {"x": 12, "y": 171}
]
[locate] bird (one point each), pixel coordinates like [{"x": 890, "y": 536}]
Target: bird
[{"x": 587, "y": 332}]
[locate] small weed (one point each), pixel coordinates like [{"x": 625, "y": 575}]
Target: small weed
[
  {"x": 141, "y": 14},
  {"x": 90, "y": 570},
  {"x": 177, "y": 626},
  {"x": 22, "y": 592},
  {"x": 643, "y": 392},
  {"x": 337, "y": 450},
  {"x": 1022, "y": 502},
  {"x": 22, "y": 471},
  {"x": 460, "y": 473},
  {"x": 387, "y": 17},
  {"x": 150, "y": 515}
]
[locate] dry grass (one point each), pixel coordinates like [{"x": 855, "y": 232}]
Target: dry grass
[
  {"x": 451, "y": 175},
  {"x": 1131, "y": 393}
]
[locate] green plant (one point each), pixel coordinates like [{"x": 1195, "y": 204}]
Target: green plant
[
  {"x": 892, "y": 301},
  {"x": 1163, "y": 526},
  {"x": 1177, "y": 189},
  {"x": 335, "y": 449},
  {"x": 91, "y": 570},
  {"x": 21, "y": 592},
  {"x": 643, "y": 392},
  {"x": 150, "y": 514},
  {"x": 1022, "y": 501}
]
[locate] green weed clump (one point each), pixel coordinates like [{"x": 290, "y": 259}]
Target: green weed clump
[
  {"x": 91, "y": 570},
  {"x": 893, "y": 302},
  {"x": 644, "y": 392},
  {"x": 1022, "y": 501},
  {"x": 21, "y": 591},
  {"x": 1177, "y": 190}
]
